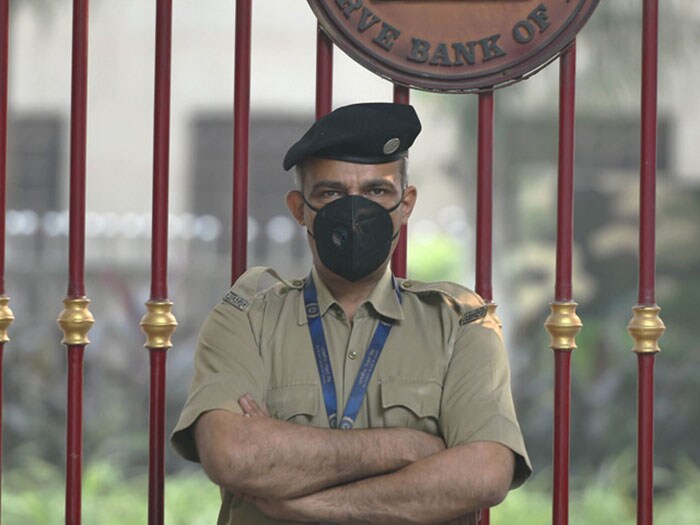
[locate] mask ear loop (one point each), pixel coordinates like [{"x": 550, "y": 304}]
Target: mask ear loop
[
  {"x": 395, "y": 206},
  {"x": 393, "y": 209},
  {"x": 316, "y": 210},
  {"x": 309, "y": 204}
]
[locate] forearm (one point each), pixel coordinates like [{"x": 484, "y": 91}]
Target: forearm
[
  {"x": 434, "y": 490},
  {"x": 275, "y": 459}
]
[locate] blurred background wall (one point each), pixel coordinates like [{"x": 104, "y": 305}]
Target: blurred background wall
[{"x": 441, "y": 239}]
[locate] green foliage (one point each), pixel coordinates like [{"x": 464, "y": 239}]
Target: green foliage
[
  {"x": 34, "y": 495},
  {"x": 435, "y": 258},
  {"x": 606, "y": 497}
]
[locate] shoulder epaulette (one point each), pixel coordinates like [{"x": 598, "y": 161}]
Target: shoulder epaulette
[
  {"x": 241, "y": 294},
  {"x": 467, "y": 303}
]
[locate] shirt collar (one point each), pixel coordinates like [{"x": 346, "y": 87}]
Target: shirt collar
[{"x": 383, "y": 298}]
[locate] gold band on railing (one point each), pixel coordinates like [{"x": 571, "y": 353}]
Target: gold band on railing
[
  {"x": 158, "y": 324},
  {"x": 646, "y": 328},
  {"x": 6, "y": 318},
  {"x": 75, "y": 321},
  {"x": 563, "y": 326}
]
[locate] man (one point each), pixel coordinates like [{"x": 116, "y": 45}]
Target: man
[{"x": 390, "y": 400}]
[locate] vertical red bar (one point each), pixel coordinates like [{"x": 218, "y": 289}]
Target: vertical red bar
[
  {"x": 563, "y": 283},
  {"x": 159, "y": 257},
  {"x": 161, "y": 150},
  {"x": 324, "y": 73},
  {"x": 74, "y": 441},
  {"x": 645, "y": 433},
  {"x": 398, "y": 260},
  {"x": 647, "y": 230},
  {"x": 2, "y": 355},
  {"x": 561, "y": 439},
  {"x": 484, "y": 210},
  {"x": 156, "y": 439},
  {"x": 4, "y": 70},
  {"x": 76, "y": 258},
  {"x": 484, "y": 196},
  {"x": 647, "y": 263},
  {"x": 565, "y": 186},
  {"x": 241, "y": 136}
]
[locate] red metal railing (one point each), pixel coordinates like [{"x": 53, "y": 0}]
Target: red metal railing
[
  {"x": 563, "y": 284},
  {"x": 484, "y": 210},
  {"x": 646, "y": 327},
  {"x": 161, "y": 150},
  {"x": 76, "y": 264},
  {"x": 4, "y": 68},
  {"x": 4, "y": 60},
  {"x": 158, "y": 318},
  {"x": 76, "y": 303},
  {"x": 484, "y": 196},
  {"x": 324, "y": 73},
  {"x": 398, "y": 261},
  {"x": 241, "y": 138}
]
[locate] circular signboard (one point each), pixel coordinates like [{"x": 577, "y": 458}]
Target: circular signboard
[{"x": 453, "y": 45}]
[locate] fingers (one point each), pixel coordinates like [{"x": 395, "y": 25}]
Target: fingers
[{"x": 251, "y": 408}]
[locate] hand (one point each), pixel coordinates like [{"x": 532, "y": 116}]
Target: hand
[
  {"x": 251, "y": 408},
  {"x": 468, "y": 519},
  {"x": 425, "y": 445}
]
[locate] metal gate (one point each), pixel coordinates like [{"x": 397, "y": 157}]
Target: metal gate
[{"x": 158, "y": 322}]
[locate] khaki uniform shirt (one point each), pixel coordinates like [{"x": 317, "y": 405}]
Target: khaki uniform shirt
[{"x": 443, "y": 369}]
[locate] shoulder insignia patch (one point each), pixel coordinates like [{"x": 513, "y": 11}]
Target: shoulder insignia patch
[
  {"x": 236, "y": 300},
  {"x": 473, "y": 315}
]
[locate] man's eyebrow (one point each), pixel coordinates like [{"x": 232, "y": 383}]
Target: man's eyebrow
[
  {"x": 377, "y": 183},
  {"x": 331, "y": 184}
]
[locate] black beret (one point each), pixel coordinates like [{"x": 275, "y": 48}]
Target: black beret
[{"x": 370, "y": 133}]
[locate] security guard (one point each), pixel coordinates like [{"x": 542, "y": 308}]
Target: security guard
[{"x": 351, "y": 395}]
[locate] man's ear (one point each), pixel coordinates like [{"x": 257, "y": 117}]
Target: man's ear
[
  {"x": 295, "y": 203},
  {"x": 408, "y": 201}
]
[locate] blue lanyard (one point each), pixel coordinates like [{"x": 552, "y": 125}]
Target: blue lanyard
[{"x": 323, "y": 361}]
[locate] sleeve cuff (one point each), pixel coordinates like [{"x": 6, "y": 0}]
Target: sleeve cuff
[
  {"x": 220, "y": 393},
  {"x": 498, "y": 429}
]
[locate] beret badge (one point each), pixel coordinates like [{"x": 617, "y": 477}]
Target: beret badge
[{"x": 391, "y": 145}]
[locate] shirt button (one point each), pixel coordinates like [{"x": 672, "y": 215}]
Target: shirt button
[
  {"x": 406, "y": 284},
  {"x": 352, "y": 354}
]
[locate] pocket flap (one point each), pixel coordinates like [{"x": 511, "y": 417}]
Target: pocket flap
[
  {"x": 285, "y": 402},
  {"x": 422, "y": 397}
]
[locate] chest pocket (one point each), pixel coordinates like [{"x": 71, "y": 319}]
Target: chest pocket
[
  {"x": 294, "y": 403},
  {"x": 411, "y": 403}
]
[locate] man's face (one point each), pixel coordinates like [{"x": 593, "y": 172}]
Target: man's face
[{"x": 326, "y": 180}]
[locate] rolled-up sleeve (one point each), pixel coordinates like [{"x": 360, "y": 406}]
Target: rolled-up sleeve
[
  {"x": 477, "y": 404},
  {"x": 227, "y": 366}
]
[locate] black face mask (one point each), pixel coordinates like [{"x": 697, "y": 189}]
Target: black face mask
[{"x": 353, "y": 235}]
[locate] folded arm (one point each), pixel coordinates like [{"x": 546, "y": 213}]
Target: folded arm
[
  {"x": 268, "y": 458},
  {"x": 439, "y": 488}
]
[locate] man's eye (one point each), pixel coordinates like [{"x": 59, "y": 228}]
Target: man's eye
[
  {"x": 377, "y": 192},
  {"x": 329, "y": 194}
]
